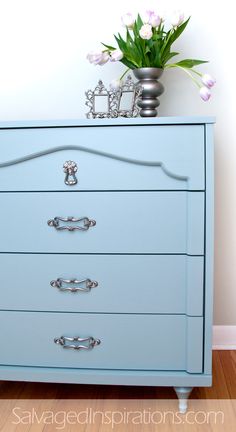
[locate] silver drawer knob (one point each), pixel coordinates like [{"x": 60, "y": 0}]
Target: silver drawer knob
[
  {"x": 89, "y": 342},
  {"x": 86, "y": 223},
  {"x": 70, "y": 168},
  {"x": 82, "y": 285}
]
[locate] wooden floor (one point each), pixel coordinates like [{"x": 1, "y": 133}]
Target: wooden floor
[{"x": 224, "y": 387}]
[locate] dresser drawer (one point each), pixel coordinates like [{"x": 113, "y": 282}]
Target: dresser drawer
[
  {"x": 151, "y": 157},
  {"x": 147, "y": 342},
  {"x": 126, "y": 222},
  {"x": 125, "y": 283}
]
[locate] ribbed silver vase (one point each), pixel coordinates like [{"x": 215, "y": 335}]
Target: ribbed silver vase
[{"x": 148, "y": 78}]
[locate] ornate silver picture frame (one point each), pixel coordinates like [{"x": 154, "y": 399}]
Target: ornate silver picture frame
[
  {"x": 127, "y": 98},
  {"x": 100, "y": 102},
  {"x": 122, "y": 102}
]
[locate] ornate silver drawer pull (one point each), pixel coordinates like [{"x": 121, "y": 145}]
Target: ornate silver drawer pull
[
  {"x": 70, "y": 168},
  {"x": 90, "y": 342},
  {"x": 87, "y": 223},
  {"x": 88, "y": 284}
]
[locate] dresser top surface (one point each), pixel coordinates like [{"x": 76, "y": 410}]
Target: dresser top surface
[{"x": 171, "y": 120}]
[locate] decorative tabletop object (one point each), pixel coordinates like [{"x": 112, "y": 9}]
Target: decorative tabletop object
[
  {"x": 146, "y": 49},
  {"x": 100, "y": 101},
  {"x": 119, "y": 101}
]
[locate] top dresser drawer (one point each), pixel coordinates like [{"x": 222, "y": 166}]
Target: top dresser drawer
[{"x": 127, "y": 157}]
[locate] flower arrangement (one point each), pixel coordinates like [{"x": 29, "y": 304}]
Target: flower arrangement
[{"x": 147, "y": 43}]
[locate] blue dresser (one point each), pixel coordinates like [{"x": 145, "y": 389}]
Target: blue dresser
[{"x": 106, "y": 241}]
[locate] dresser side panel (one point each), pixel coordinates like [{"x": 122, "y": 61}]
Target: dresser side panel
[{"x": 209, "y": 249}]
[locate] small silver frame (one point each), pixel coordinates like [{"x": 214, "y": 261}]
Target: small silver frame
[
  {"x": 129, "y": 87},
  {"x": 114, "y": 100},
  {"x": 101, "y": 91}
]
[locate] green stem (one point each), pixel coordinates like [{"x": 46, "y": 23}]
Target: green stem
[
  {"x": 166, "y": 40},
  {"x": 196, "y": 72},
  {"x": 169, "y": 36},
  {"x": 122, "y": 76},
  {"x": 186, "y": 71}
]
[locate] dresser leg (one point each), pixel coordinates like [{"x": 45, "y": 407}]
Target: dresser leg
[{"x": 183, "y": 394}]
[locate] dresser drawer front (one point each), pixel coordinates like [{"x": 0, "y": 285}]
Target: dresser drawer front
[
  {"x": 108, "y": 158},
  {"x": 126, "y": 222},
  {"x": 126, "y": 283},
  {"x": 145, "y": 342}
]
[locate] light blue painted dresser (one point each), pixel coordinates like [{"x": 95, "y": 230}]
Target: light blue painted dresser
[{"x": 106, "y": 240}]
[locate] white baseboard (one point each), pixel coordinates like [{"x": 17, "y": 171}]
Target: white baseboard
[{"x": 224, "y": 337}]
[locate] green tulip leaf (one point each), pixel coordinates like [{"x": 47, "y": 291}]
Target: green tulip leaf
[
  {"x": 189, "y": 63},
  {"x": 108, "y": 46}
]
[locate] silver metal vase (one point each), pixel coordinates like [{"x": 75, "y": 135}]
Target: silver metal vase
[{"x": 148, "y": 78}]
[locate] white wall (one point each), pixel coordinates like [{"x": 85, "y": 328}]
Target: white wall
[{"x": 44, "y": 74}]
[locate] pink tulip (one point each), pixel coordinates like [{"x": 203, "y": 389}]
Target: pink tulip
[
  {"x": 98, "y": 58},
  {"x": 208, "y": 80},
  {"x": 177, "y": 18},
  {"x": 205, "y": 93},
  {"x": 150, "y": 17}
]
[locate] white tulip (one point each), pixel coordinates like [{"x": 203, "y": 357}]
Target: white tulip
[
  {"x": 146, "y": 31},
  {"x": 128, "y": 20},
  {"x": 155, "y": 20},
  {"x": 146, "y": 16},
  {"x": 177, "y": 18},
  {"x": 94, "y": 57},
  {"x": 116, "y": 55},
  {"x": 98, "y": 58},
  {"x": 104, "y": 59}
]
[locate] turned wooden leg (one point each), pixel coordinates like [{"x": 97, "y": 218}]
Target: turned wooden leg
[{"x": 183, "y": 394}]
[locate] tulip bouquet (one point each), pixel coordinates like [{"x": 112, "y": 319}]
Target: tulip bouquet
[{"x": 147, "y": 43}]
